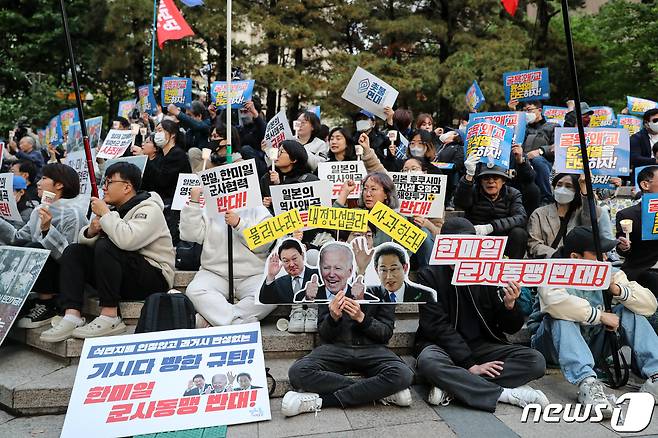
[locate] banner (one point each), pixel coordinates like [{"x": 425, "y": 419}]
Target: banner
[
  {"x": 67, "y": 117},
  {"x": 450, "y": 249},
  {"x": 608, "y": 150},
  {"x": 602, "y": 182},
  {"x": 241, "y": 92},
  {"x": 333, "y": 218},
  {"x": 370, "y": 93},
  {"x": 300, "y": 196},
  {"x": 511, "y": 119},
  {"x": 19, "y": 269},
  {"x": 630, "y": 123},
  {"x": 637, "y": 105},
  {"x": 340, "y": 171},
  {"x": 278, "y": 130},
  {"x": 474, "y": 97},
  {"x": 527, "y": 85},
  {"x": 166, "y": 381},
  {"x": 603, "y": 116},
  {"x": 147, "y": 103},
  {"x": 74, "y": 138},
  {"x": 8, "y": 209},
  {"x": 490, "y": 141},
  {"x": 115, "y": 144},
  {"x": 232, "y": 186},
  {"x": 126, "y": 107},
  {"x": 94, "y": 129},
  {"x": 397, "y": 227},
  {"x": 649, "y": 216},
  {"x": 183, "y": 188},
  {"x": 558, "y": 273},
  {"x": 171, "y": 25},
  {"x": 420, "y": 194},
  {"x": 176, "y": 90},
  {"x": 555, "y": 114},
  {"x": 273, "y": 228}
]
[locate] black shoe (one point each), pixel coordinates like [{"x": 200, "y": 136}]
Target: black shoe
[{"x": 39, "y": 315}]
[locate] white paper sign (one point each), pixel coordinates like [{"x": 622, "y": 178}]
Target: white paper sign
[
  {"x": 278, "y": 130},
  {"x": 301, "y": 196},
  {"x": 370, "y": 93},
  {"x": 420, "y": 194},
  {"x": 78, "y": 161},
  {"x": 340, "y": 171},
  {"x": 139, "y": 161},
  {"x": 232, "y": 186},
  {"x": 115, "y": 144},
  {"x": 169, "y": 380},
  {"x": 8, "y": 208},
  {"x": 183, "y": 187}
]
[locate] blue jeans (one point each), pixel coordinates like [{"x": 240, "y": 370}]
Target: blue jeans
[
  {"x": 543, "y": 170},
  {"x": 561, "y": 342}
]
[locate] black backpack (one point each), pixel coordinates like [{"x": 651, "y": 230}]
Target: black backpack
[{"x": 166, "y": 311}]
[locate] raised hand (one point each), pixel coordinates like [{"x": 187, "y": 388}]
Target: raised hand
[
  {"x": 273, "y": 267},
  {"x": 359, "y": 288},
  {"x": 362, "y": 254},
  {"x": 312, "y": 288}
]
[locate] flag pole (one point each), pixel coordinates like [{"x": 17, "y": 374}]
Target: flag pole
[
  {"x": 78, "y": 99},
  {"x": 153, "y": 29},
  {"x": 619, "y": 378},
  {"x": 229, "y": 148}
]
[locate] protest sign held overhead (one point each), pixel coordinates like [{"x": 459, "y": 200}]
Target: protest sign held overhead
[
  {"x": 74, "y": 138},
  {"x": 8, "y": 209},
  {"x": 370, "y": 93},
  {"x": 115, "y": 144},
  {"x": 94, "y": 129},
  {"x": 241, "y": 92},
  {"x": 54, "y": 132},
  {"x": 490, "y": 141},
  {"x": 147, "y": 103},
  {"x": 333, "y": 218},
  {"x": 603, "y": 116},
  {"x": 300, "y": 196},
  {"x": 273, "y": 228},
  {"x": 67, "y": 117},
  {"x": 555, "y": 114},
  {"x": 527, "y": 85},
  {"x": 450, "y": 249},
  {"x": 608, "y": 151},
  {"x": 168, "y": 380},
  {"x": 474, "y": 97},
  {"x": 631, "y": 123},
  {"x": 176, "y": 90},
  {"x": 650, "y": 216},
  {"x": 340, "y": 171},
  {"x": 397, "y": 227},
  {"x": 602, "y": 182},
  {"x": 183, "y": 189},
  {"x": 278, "y": 130},
  {"x": 512, "y": 119},
  {"x": 232, "y": 186},
  {"x": 420, "y": 194},
  {"x": 637, "y": 105},
  {"x": 126, "y": 107}
]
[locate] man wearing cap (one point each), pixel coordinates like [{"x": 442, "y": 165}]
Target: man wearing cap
[
  {"x": 460, "y": 344},
  {"x": 585, "y": 111},
  {"x": 492, "y": 206},
  {"x": 569, "y": 329}
]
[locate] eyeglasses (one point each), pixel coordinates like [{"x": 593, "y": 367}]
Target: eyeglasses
[{"x": 107, "y": 182}]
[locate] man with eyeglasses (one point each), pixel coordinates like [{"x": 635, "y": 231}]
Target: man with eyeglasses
[{"x": 643, "y": 141}]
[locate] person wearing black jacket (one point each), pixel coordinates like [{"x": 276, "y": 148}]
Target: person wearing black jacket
[
  {"x": 460, "y": 345},
  {"x": 524, "y": 179},
  {"x": 379, "y": 142},
  {"x": 197, "y": 126},
  {"x": 641, "y": 142}
]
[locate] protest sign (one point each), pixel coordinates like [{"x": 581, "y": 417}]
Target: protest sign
[
  {"x": 78, "y": 161},
  {"x": 126, "y": 107},
  {"x": 232, "y": 186},
  {"x": 41, "y": 134},
  {"x": 649, "y": 216},
  {"x": 562, "y": 273},
  {"x": 449, "y": 249},
  {"x": 527, "y": 85},
  {"x": 630, "y": 123},
  {"x": 420, "y": 194},
  {"x": 555, "y": 114},
  {"x": 67, "y": 117},
  {"x": 19, "y": 269},
  {"x": 443, "y": 166},
  {"x": 315, "y": 109},
  {"x": 602, "y": 182},
  {"x": 183, "y": 188},
  {"x": 637, "y": 105},
  {"x": 94, "y": 128},
  {"x": 8, "y": 209},
  {"x": 603, "y": 116},
  {"x": 273, "y": 228},
  {"x": 278, "y": 130},
  {"x": 401, "y": 150},
  {"x": 147, "y": 103},
  {"x": 370, "y": 93},
  {"x": 169, "y": 380},
  {"x": 340, "y": 171},
  {"x": 115, "y": 144},
  {"x": 511, "y": 119},
  {"x": 301, "y": 196},
  {"x": 474, "y": 97},
  {"x": 397, "y": 227},
  {"x": 54, "y": 132},
  {"x": 338, "y": 218},
  {"x": 241, "y": 92},
  {"x": 176, "y": 90},
  {"x": 608, "y": 150},
  {"x": 74, "y": 138},
  {"x": 490, "y": 141}
]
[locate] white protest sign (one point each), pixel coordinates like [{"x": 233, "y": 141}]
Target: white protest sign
[
  {"x": 8, "y": 208},
  {"x": 301, "y": 196},
  {"x": 278, "y": 130},
  {"x": 370, "y": 93},
  {"x": 169, "y": 380},
  {"x": 451, "y": 248},
  {"x": 232, "y": 186},
  {"x": 78, "y": 161},
  {"x": 340, "y": 171},
  {"x": 115, "y": 144},
  {"x": 420, "y": 194},
  {"x": 183, "y": 188},
  {"x": 139, "y": 161}
]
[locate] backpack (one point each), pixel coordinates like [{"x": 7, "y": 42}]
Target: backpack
[
  {"x": 188, "y": 256},
  {"x": 166, "y": 311}
]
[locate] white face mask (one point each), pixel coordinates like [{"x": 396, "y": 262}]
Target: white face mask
[
  {"x": 445, "y": 136},
  {"x": 653, "y": 127},
  {"x": 363, "y": 125},
  {"x": 530, "y": 117},
  {"x": 159, "y": 139},
  {"x": 417, "y": 152},
  {"x": 563, "y": 195}
]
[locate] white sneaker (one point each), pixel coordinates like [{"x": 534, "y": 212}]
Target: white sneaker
[
  {"x": 401, "y": 398},
  {"x": 100, "y": 327},
  {"x": 60, "y": 332},
  {"x": 590, "y": 392},
  {"x": 438, "y": 397},
  {"x": 311, "y": 323},
  {"x": 297, "y": 320},
  {"x": 525, "y": 395},
  {"x": 650, "y": 387},
  {"x": 295, "y": 403}
]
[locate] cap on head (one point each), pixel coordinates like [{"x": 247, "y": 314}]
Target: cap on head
[
  {"x": 585, "y": 108},
  {"x": 19, "y": 183},
  {"x": 493, "y": 170}
]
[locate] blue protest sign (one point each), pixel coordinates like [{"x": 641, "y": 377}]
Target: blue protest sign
[
  {"x": 555, "y": 114},
  {"x": 511, "y": 119},
  {"x": 637, "y": 105},
  {"x": 147, "y": 101},
  {"x": 177, "y": 91},
  {"x": 125, "y": 108},
  {"x": 603, "y": 116},
  {"x": 649, "y": 216},
  {"x": 192, "y": 3},
  {"x": 489, "y": 140},
  {"x": 241, "y": 92},
  {"x": 315, "y": 110},
  {"x": 54, "y": 132},
  {"x": 608, "y": 151},
  {"x": 66, "y": 118},
  {"x": 527, "y": 85},
  {"x": 631, "y": 123},
  {"x": 474, "y": 97}
]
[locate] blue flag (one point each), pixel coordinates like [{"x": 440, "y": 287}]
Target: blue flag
[{"x": 192, "y": 3}]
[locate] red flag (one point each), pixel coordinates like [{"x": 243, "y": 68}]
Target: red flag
[
  {"x": 510, "y": 6},
  {"x": 171, "y": 24}
]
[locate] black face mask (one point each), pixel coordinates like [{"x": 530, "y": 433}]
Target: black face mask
[{"x": 213, "y": 145}]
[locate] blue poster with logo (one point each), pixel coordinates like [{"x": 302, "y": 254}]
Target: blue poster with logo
[
  {"x": 527, "y": 85},
  {"x": 510, "y": 119},
  {"x": 649, "y": 216},
  {"x": 637, "y": 105},
  {"x": 603, "y": 116},
  {"x": 631, "y": 123},
  {"x": 176, "y": 90},
  {"x": 241, "y": 92},
  {"x": 608, "y": 150},
  {"x": 490, "y": 141},
  {"x": 67, "y": 117},
  {"x": 147, "y": 102},
  {"x": 474, "y": 97}
]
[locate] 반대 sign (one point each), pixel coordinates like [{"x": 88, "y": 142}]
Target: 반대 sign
[
  {"x": 649, "y": 216},
  {"x": 240, "y": 93},
  {"x": 474, "y": 97},
  {"x": 490, "y": 141},
  {"x": 169, "y": 380},
  {"x": 332, "y": 218},
  {"x": 527, "y": 85},
  {"x": 8, "y": 209},
  {"x": 631, "y": 123},
  {"x": 603, "y": 116},
  {"x": 183, "y": 188},
  {"x": 420, "y": 194},
  {"x": 370, "y": 93},
  {"x": 511, "y": 119},
  {"x": 608, "y": 150},
  {"x": 147, "y": 102},
  {"x": 397, "y": 227},
  {"x": 301, "y": 196},
  {"x": 637, "y": 105},
  {"x": 273, "y": 228},
  {"x": 555, "y": 114},
  {"x": 176, "y": 90},
  {"x": 126, "y": 107},
  {"x": 232, "y": 186},
  {"x": 115, "y": 144},
  {"x": 340, "y": 171},
  {"x": 277, "y": 130},
  {"x": 450, "y": 249}
]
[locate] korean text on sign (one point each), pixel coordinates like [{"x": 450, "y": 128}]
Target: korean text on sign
[
  {"x": 650, "y": 216},
  {"x": 450, "y": 249},
  {"x": 602, "y": 116},
  {"x": 608, "y": 150},
  {"x": 490, "y": 141},
  {"x": 301, "y": 196},
  {"x": 115, "y": 144},
  {"x": 176, "y": 90},
  {"x": 631, "y": 123},
  {"x": 231, "y": 187},
  {"x": 474, "y": 97},
  {"x": 186, "y": 181},
  {"x": 8, "y": 207},
  {"x": 512, "y": 119},
  {"x": 340, "y": 171},
  {"x": 338, "y": 218},
  {"x": 579, "y": 274},
  {"x": 555, "y": 114},
  {"x": 637, "y": 105},
  {"x": 420, "y": 194},
  {"x": 277, "y": 130},
  {"x": 240, "y": 93},
  {"x": 526, "y": 85},
  {"x": 273, "y": 228},
  {"x": 369, "y": 92},
  {"x": 400, "y": 229}
]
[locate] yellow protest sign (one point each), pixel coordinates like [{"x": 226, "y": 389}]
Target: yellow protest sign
[
  {"x": 396, "y": 226},
  {"x": 337, "y": 218},
  {"x": 273, "y": 228}
]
